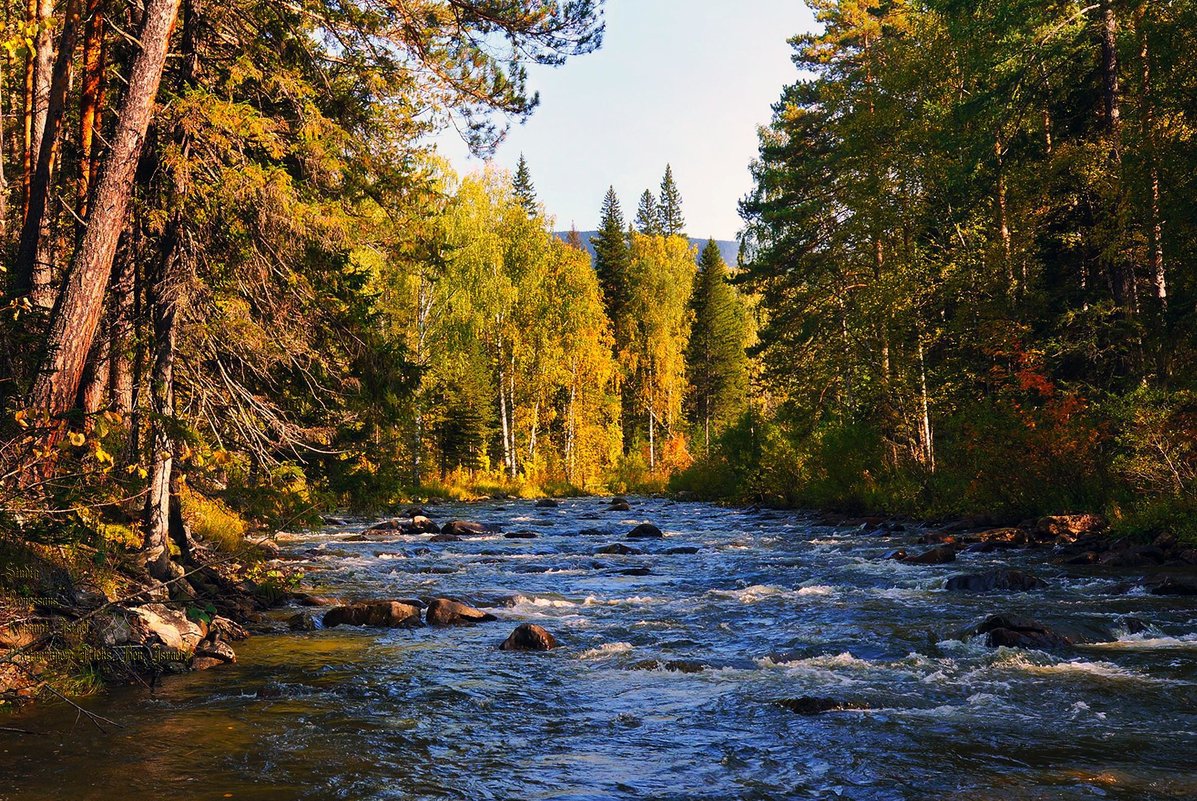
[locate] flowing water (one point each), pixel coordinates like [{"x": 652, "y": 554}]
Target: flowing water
[{"x": 665, "y": 684}]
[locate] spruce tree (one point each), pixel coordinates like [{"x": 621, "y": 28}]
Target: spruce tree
[
  {"x": 611, "y": 260},
  {"x": 574, "y": 239},
  {"x": 648, "y": 216},
  {"x": 525, "y": 191},
  {"x": 669, "y": 208},
  {"x": 715, "y": 360}
]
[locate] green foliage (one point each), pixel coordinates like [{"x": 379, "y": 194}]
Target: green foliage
[{"x": 670, "y": 219}]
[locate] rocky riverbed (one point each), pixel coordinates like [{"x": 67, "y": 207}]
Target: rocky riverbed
[{"x": 584, "y": 650}]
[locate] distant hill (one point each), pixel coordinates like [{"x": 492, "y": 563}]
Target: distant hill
[{"x": 728, "y": 248}]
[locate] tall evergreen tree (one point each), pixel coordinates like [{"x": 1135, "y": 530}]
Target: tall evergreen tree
[
  {"x": 716, "y": 363},
  {"x": 611, "y": 260},
  {"x": 648, "y": 216},
  {"x": 525, "y": 190},
  {"x": 672, "y": 221}
]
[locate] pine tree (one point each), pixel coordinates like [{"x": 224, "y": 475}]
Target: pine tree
[
  {"x": 715, "y": 360},
  {"x": 525, "y": 190},
  {"x": 611, "y": 260},
  {"x": 574, "y": 239},
  {"x": 672, "y": 222},
  {"x": 648, "y": 216}
]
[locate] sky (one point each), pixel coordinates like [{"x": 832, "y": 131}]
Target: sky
[{"x": 683, "y": 82}]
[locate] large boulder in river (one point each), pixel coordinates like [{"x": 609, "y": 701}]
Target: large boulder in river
[
  {"x": 645, "y": 531},
  {"x": 446, "y": 612},
  {"x": 529, "y": 637},
  {"x": 463, "y": 528},
  {"x": 991, "y": 580},
  {"x": 933, "y": 556},
  {"x": 547, "y": 503},
  {"x": 1010, "y": 631},
  {"x": 382, "y": 614},
  {"x": 421, "y": 524}
]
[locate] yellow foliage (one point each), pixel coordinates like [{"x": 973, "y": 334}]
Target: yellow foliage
[{"x": 212, "y": 521}]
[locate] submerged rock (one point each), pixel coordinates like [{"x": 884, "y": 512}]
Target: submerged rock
[
  {"x": 593, "y": 532},
  {"x": 632, "y": 571},
  {"x": 991, "y": 580},
  {"x": 1019, "y": 632},
  {"x": 672, "y": 665},
  {"x": 1175, "y": 586},
  {"x": 682, "y": 550},
  {"x": 444, "y": 538},
  {"x": 382, "y": 614},
  {"x": 302, "y": 621},
  {"x": 447, "y": 612},
  {"x": 521, "y": 535},
  {"x": 645, "y": 531},
  {"x": 529, "y": 637},
  {"x": 620, "y": 549},
  {"x": 813, "y": 705}
]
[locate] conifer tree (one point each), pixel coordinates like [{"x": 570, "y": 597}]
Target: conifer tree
[
  {"x": 611, "y": 259},
  {"x": 672, "y": 222},
  {"x": 525, "y": 190},
  {"x": 716, "y": 363},
  {"x": 648, "y": 216}
]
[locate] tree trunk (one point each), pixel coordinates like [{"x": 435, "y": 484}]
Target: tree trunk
[
  {"x": 927, "y": 432},
  {"x": 91, "y": 100},
  {"x": 1155, "y": 226},
  {"x": 121, "y": 333},
  {"x": 166, "y": 297},
  {"x": 1003, "y": 219},
  {"x": 33, "y": 253},
  {"x": 77, "y": 311}
]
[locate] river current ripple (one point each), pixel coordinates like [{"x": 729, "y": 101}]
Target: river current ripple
[{"x": 665, "y": 684}]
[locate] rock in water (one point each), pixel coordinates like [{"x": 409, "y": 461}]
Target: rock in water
[
  {"x": 682, "y": 550},
  {"x": 811, "y": 705},
  {"x": 1002, "y": 579},
  {"x": 1174, "y": 586},
  {"x": 1019, "y": 632},
  {"x": 463, "y": 528},
  {"x": 383, "y": 614},
  {"x": 620, "y": 549},
  {"x": 645, "y": 531},
  {"x": 521, "y": 535},
  {"x": 446, "y": 612},
  {"x": 547, "y": 503},
  {"x": 619, "y": 505},
  {"x": 302, "y": 621},
  {"x": 529, "y": 637},
  {"x": 934, "y": 556},
  {"x": 444, "y": 538}
]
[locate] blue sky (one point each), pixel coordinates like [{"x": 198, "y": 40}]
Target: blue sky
[{"x": 680, "y": 81}]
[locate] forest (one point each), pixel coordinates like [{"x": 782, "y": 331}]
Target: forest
[{"x": 243, "y": 290}]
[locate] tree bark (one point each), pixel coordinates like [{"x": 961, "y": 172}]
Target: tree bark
[
  {"x": 77, "y": 311},
  {"x": 91, "y": 99},
  {"x": 1155, "y": 226},
  {"x": 33, "y": 259}
]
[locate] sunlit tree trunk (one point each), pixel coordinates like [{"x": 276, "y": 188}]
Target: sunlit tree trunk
[
  {"x": 1155, "y": 224},
  {"x": 80, "y": 304}
]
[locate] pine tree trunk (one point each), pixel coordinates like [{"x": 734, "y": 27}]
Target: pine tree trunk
[
  {"x": 121, "y": 332},
  {"x": 91, "y": 99},
  {"x": 77, "y": 311},
  {"x": 33, "y": 253}
]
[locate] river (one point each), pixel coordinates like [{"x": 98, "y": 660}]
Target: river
[{"x": 665, "y": 684}]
